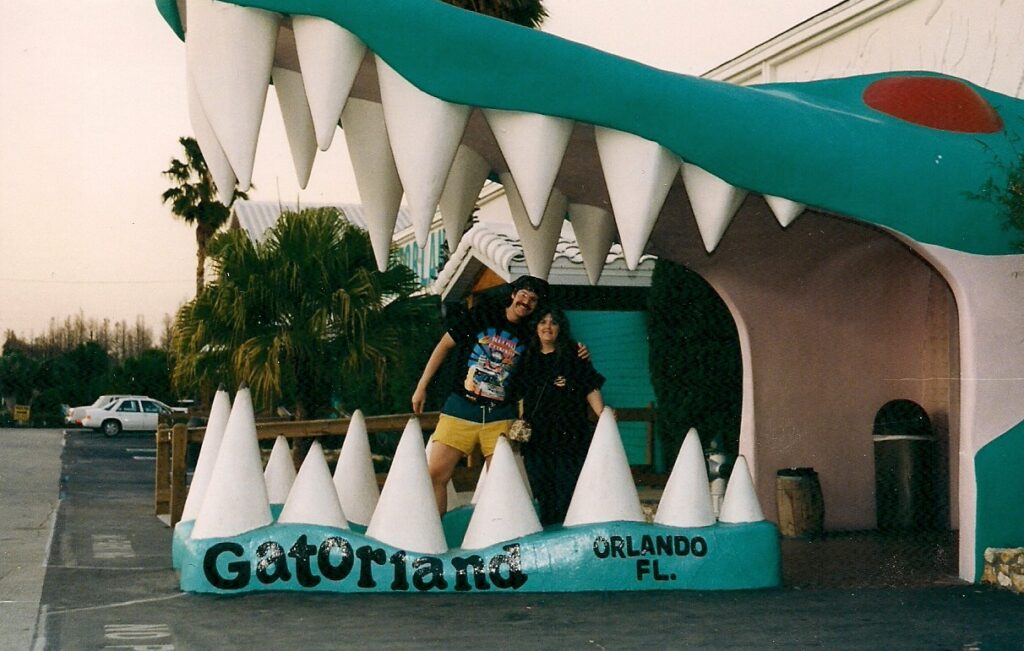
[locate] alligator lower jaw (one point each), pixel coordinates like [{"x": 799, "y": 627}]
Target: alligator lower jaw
[{"x": 614, "y": 556}]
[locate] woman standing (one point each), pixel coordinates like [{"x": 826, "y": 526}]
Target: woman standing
[{"x": 559, "y": 389}]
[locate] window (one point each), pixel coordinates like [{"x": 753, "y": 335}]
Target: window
[
  {"x": 129, "y": 405},
  {"x": 150, "y": 407}
]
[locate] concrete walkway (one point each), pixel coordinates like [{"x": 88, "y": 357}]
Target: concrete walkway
[{"x": 30, "y": 464}]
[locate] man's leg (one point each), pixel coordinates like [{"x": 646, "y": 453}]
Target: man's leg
[{"x": 441, "y": 465}]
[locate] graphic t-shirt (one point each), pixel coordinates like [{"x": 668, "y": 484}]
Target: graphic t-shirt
[{"x": 489, "y": 350}]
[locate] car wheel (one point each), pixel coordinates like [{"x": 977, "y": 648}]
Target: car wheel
[{"x": 111, "y": 427}]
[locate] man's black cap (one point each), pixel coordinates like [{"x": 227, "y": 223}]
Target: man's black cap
[{"x": 538, "y": 286}]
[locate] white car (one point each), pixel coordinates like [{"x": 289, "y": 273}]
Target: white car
[
  {"x": 74, "y": 415},
  {"x": 128, "y": 413}
]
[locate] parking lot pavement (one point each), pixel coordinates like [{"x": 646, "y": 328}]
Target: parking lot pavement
[{"x": 108, "y": 584}]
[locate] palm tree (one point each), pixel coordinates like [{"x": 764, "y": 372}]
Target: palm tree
[
  {"x": 529, "y": 13},
  {"x": 300, "y": 316},
  {"x": 194, "y": 198}
]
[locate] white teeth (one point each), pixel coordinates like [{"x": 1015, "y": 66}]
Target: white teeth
[
  {"x": 465, "y": 180},
  {"x": 216, "y": 161},
  {"x": 230, "y": 50},
  {"x": 219, "y": 412},
  {"x": 595, "y": 232},
  {"x": 279, "y": 474},
  {"x": 298, "y": 123},
  {"x": 714, "y": 203},
  {"x": 523, "y": 475},
  {"x": 539, "y": 244},
  {"x": 785, "y": 210},
  {"x": 354, "y": 479},
  {"x": 406, "y": 516},
  {"x": 686, "y": 501},
  {"x": 329, "y": 57},
  {"x": 504, "y": 510},
  {"x": 605, "y": 491},
  {"x": 236, "y": 499},
  {"x": 533, "y": 146},
  {"x": 639, "y": 174},
  {"x": 376, "y": 175},
  {"x": 312, "y": 499},
  {"x": 740, "y": 503},
  {"x": 425, "y": 133}
]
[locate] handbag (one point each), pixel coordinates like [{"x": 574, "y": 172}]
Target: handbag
[{"x": 520, "y": 430}]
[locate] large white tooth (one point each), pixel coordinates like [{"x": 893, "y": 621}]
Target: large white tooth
[
  {"x": 639, "y": 174},
  {"x": 230, "y": 50},
  {"x": 504, "y": 510},
  {"x": 605, "y": 491},
  {"x": 533, "y": 146},
  {"x": 380, "y": 188},
  {"x": 740, "y": 503},
  {"x": 329, "y": 57},
  {"x": 525, "y": 476},
  {"x": 215, "y": 424},
  {"x": 686, "y": 500},
  {"x": 461, "y": 190},
  {"x": 216, "y": 161},
  {"x": 785, "y": 210},
  {"x": 425, "y": 133},
  {"x": 354, "y": 478},
  {"x": 280, "y": 471},
  {"x": 236, "y": 499},
  {"x": 298, "y": 123},
  {"x": 539, "y": 244},
  {"x": 312, "y": 499},
  {"x": 595, "y": 231},
  {"x": 714, "y": 203},
  {"x": 406, "y": 516},
  {"x": 479, "y": 490}
]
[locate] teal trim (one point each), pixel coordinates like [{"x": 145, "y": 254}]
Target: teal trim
[
  {"x": 1000, "y": 507},
  {"x": 182, "y": 532},
  {"x": 169, "y": 10},
  {"x": 620, "y": 556},
  {"x": 455, "y": 523},
  {"x": 816, "y": 143}
]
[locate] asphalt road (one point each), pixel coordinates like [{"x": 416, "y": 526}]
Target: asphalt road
[{"x": 107, "y": 583}]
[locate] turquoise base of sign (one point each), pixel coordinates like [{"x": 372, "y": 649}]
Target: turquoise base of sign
[
  {"x": 618, "y": 556},
  {"x": 183, "y": 530}
]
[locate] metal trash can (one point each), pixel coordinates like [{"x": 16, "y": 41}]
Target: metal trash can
[
  {"x": 905, "y": 482},
  {"x": 800, "y": 504}
]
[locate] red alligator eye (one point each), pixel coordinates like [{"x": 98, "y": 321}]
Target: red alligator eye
[{"x": 935, "y": 102}]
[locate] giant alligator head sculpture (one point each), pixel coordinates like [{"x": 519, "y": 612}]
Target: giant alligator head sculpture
[{"x": 839, "y": 220}]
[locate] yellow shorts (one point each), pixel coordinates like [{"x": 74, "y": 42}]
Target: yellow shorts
[{"x": 464, "y": 435}]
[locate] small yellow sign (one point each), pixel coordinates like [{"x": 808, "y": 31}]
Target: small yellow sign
[{"x": 22, "y": 413}]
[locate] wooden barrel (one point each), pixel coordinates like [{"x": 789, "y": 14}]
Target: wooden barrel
[{"x": 800, "y": 504}]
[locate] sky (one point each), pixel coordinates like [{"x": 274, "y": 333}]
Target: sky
[{"x": 92, "y": 103}]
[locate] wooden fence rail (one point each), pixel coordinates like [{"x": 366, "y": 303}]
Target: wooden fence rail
[{"x": 172, "y": 444}]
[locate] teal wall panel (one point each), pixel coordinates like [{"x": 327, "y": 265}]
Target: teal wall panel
[{"x": 618, "y": 347}]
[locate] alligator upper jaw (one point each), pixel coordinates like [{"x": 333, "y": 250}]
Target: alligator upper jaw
[{"x": 652, "y": 125}]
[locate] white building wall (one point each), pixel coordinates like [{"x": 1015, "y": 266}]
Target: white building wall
[{"x": 978, "y": 40}]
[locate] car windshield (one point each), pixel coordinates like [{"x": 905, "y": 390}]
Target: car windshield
[{"x": 103, "y": 401}]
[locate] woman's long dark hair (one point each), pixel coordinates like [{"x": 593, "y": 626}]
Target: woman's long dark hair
[{"x": 564, "y": 341}]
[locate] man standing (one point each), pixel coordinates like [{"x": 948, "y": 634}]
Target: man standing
[{"x": 489, "y": 342}]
